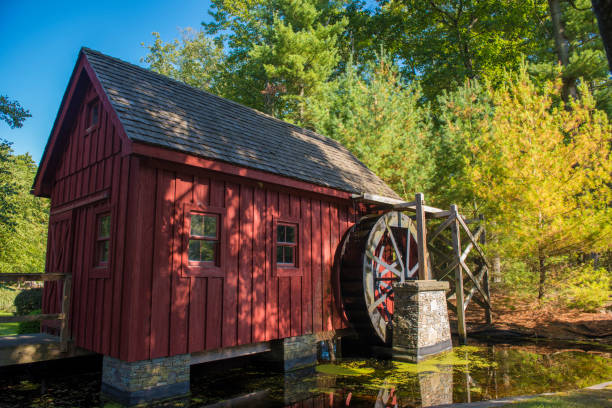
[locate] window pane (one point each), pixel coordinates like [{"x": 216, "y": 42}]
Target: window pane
[
  {"x": 290, "y": 234},
  {"x": 289, "y": 255},
  {"x": 197, "y": 225},
  {"x": 102, "y": 252},
  {"x": 208, "y": 251},
  {"x": 104, "y": 226},
  {"x": 280, "y": 233},
  {"x": 94, "y": 110},
  {"x": 194, "y": 250},
  {"x": 279, "y": 254},
  {"x": 210, "y": 226}
]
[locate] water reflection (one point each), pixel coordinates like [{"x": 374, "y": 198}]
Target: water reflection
[{"x": 466, "y": 374}]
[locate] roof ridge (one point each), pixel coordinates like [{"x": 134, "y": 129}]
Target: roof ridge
[{"x": 225, "y": 100}]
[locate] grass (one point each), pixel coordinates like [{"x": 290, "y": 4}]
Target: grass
[
  {"x": 8, "y": 329},
  {"x": 575, "y": 399}
]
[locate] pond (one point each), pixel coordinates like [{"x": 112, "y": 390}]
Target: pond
[{"x": 468, "y": 373}]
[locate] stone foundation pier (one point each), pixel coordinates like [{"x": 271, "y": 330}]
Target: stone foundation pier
[
  {"x": 140, "y": 382},
  {"x": 292, "y": 353},
  {"x": 420, "y": 320}
]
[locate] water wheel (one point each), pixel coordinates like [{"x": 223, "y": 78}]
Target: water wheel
[{"x": 378, "y": 252}]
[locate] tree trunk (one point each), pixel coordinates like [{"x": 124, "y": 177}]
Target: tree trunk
[
  {"x": 562, "y": 47},
  {"x": 603, "y": 11},
  {"x": 542, "y": 272},
  {"x": 497, "y": 277},
  {"x": 301, "y": 104}
]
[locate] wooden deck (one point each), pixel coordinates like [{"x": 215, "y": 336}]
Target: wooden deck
[{"x": 31, "y": 348}]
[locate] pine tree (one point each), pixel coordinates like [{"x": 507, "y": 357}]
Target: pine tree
[
  {"x": 278, "y": 51},
  {"x": 379, "y": 119}
]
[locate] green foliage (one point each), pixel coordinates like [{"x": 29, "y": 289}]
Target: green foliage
[
  {"x": 28, "y": 300},
  {"x": 589, "y": 288},
  {"x": 443, "y": 43},
  {"x": 7, "y": 298},
  {"x": 587, "y": 63},
  {"x": 29, "y": 327},
  {"x": 518, "y": 278},
  {"x": 8, "y": 329},
  {"x": 379, "y": 119},
  {"x": 196, "y": 60},
  {"x": 12, "y": 112},
  {"x": 539, "y": 172},
  {"x": 23, "y": 217},
  {"x": 278, "y": 51}
]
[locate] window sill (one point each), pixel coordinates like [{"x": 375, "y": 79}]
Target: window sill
[
  {"x": 99, "y": 272},
  {"x": 283, "y": 271},
  {"x": 196, "y": 271}
]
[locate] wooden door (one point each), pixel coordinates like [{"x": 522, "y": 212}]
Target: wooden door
[{"x": 59, "y": 260}]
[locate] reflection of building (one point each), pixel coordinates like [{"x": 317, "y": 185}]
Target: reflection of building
[{"x": 436, "y": 387}]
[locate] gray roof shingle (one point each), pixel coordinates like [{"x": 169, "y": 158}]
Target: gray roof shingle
[{"x": 157, "y": 110}]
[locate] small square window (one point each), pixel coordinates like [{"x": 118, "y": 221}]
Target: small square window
[
  {"x": 286, "y": 245},
  {"x": 204, "y": 238}
]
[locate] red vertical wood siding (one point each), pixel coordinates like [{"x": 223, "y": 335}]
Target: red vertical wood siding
[
  {"x": 143, "y": 307},
  {"x": 88, "y": 163},
  {"x": 249, "y": 303}
]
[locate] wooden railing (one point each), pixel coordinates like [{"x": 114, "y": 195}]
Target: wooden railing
[
  {"x": 451, "y": 256},
  {"x": 62, "y": 317}
]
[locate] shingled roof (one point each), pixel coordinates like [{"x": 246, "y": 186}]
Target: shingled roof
[{"x": 160, "y": 111}]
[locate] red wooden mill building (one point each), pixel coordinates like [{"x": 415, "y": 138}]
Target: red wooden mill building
[{"x": 196, "y": 228}]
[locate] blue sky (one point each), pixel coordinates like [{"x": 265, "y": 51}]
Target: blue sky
[{"x": 39, "y": 44}]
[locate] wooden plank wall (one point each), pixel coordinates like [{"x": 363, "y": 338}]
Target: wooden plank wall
[
  {"x": 167, "y": 314},
  {"x": 90, "y": 163}
]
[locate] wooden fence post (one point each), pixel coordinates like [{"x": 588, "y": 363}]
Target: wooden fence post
[
  {"x": 65, "y": 330},
  {"x": 421, "y": 237},
  {"x": 455, "y": 230},
  {"x": 485, "y": 282}
]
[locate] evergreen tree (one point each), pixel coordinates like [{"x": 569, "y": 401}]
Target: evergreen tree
[
  {"x": 278, "y": 51},
  {"x": 378, "y": 118}
]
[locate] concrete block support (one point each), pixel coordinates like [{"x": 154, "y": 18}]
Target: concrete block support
[
  {"x": 420, "y": 320},
  {"x": 139, "y": 382},
  {"x": 292, "y": 353}
]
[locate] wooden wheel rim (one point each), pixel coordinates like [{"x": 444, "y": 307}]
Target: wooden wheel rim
[{"x": 377, "y": 285}]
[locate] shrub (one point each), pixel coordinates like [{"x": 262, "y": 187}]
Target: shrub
[
  {"x": 517, "y": 278},
  {"x": 29, "y": 327},
  {"x": 589, "y": 288},
  {"x": 7, "y": 298},
  {"x": 28, "y": 300}
]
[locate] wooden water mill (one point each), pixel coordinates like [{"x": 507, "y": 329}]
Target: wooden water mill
[{"x": 378, "y": 252}]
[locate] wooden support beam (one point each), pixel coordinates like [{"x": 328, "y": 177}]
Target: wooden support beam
[
  {"x": 485, "y": 284},
  {"x": 422, "y": 237},
  {"x": 451, "y": 307},
  {"x": 31, "y": 318},
  {"x": 472, "y": 291},
  {"x": 26, "y": 277},
  {"x": 468, "y": 272},
  {"x": 64, "y": 329},
  {"x": 471, "y": 237},
  {"x": 455, "y": 228},
  {"x": 441, "y": 228}
]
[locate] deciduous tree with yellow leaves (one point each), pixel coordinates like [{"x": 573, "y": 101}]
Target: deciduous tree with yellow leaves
[{"x": 540, "y": 170}]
